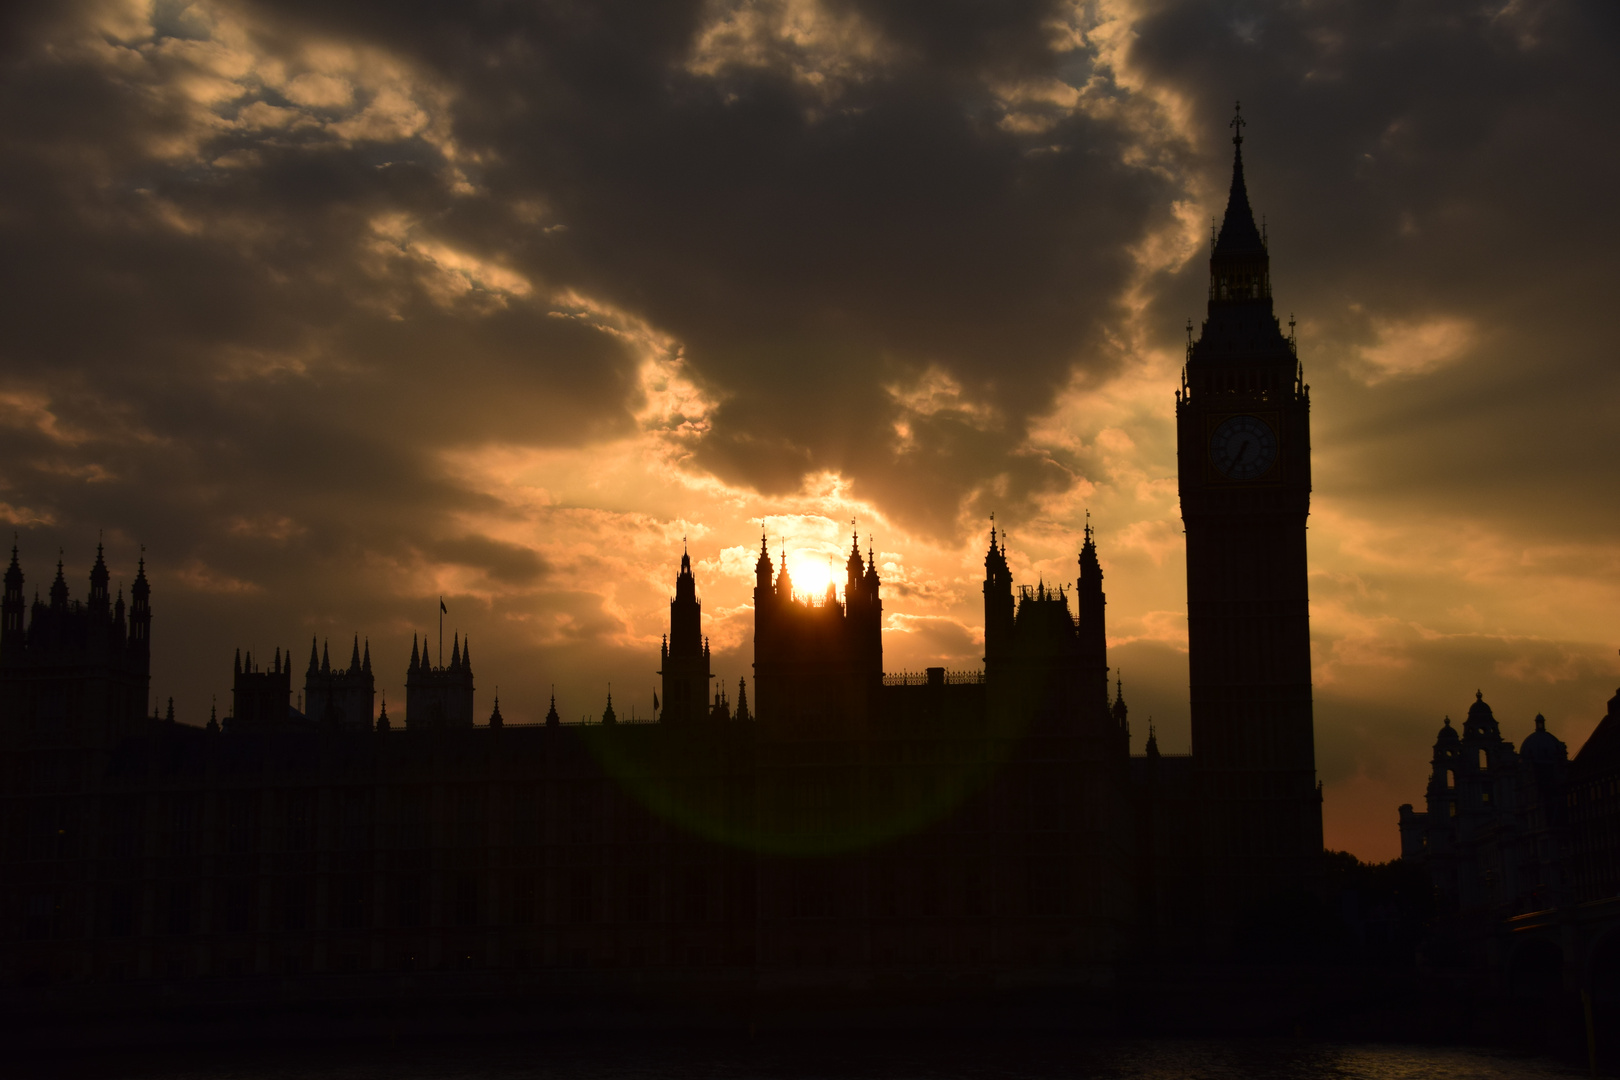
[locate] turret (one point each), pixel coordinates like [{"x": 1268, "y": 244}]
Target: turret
[
  {"x": 552, "y": 719},
  {"x": 998, "y": 598},
  {"x": 11, "y": 610},
  {"x": 99, "y": 599},
  {"x": 784, "y": 580},
  {"x": 856, "y": 569},
  {"x": 684, "y": 658},
  {"x": 1120, "y": 714},
  {"x": 762, "y": 571},
  {"x": 1092, "y": 630},
  {"x": 140, "y": 614},
  {"x": 59, "y": 590}
]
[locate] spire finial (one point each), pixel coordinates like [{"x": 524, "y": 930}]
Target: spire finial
[{"x": 1237, "y": 125}]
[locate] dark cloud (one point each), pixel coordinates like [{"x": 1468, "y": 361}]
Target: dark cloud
[{"x": 258, "y": 301}]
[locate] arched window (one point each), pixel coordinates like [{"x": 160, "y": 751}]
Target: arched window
[
  {"x": 1451, "y": 779},
  {"x": 1484, "y": 761}
]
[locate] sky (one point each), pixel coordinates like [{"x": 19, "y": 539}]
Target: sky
[{"x": 340, "y": 307}]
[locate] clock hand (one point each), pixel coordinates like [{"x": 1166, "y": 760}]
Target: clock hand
[{"x": 1242, "y": 452}]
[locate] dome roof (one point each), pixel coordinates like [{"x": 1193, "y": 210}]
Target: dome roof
[
  {"x": 1447, "y": 733},
  {"x": 1542, "y": 746},
  {"x": 1481, "y": 723}
]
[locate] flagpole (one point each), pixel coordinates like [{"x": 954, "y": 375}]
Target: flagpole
[{"x": 441, "y": 631}]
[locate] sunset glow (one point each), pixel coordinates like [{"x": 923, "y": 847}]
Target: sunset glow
[{"x": 336, "y": 324}]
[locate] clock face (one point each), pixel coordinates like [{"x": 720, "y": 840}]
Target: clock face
[{"x": 1243, "y": 448}]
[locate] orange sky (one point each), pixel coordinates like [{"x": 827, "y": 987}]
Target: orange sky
[{"x": 340, "y": 307}]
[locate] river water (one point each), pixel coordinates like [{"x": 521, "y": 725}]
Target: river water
[{"x": 1008, "y": 1058}]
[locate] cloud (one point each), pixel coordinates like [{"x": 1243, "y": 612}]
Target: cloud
[
  {"x": 1407, "y": 348},
  {"x": 339, "y": 306}
]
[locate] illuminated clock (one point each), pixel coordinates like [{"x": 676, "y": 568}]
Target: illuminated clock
[{"x": 1243, "y": 448}]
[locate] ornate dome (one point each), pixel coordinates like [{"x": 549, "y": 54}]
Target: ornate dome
[
  {"x": 1542, "y": 746},
  {"x": 1448, "y": 734},
  {"x": 1481, "y": 721}
]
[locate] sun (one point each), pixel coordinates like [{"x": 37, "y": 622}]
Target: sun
[{"x": 811, "y": 574}]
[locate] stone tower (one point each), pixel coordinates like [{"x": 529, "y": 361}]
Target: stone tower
[
  {"x": 685, "y": 655},
  {"x": 1244, "y": 448}
]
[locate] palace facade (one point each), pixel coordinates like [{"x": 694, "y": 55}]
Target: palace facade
[{"x": 853, "y": 828}]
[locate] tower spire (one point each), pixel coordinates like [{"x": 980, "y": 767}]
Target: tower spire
[{"x": 1239, "y": 235}]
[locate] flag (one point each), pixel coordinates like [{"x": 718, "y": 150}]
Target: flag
[
  {"x": 442, "y": 609},
  {"x": 655, "y": 701}
]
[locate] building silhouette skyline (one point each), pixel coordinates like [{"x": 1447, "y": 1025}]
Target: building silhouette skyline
[{"x": 835, "y": 827}]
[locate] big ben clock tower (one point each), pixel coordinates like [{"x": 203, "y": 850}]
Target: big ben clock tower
[{"x": 1244, "y": 450}]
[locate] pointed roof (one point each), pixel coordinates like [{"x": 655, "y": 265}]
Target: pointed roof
[
  {"x": 552, "y": 719},
  {"x": 1089, "y": 566},
  {"x": 1239, "y": 235},
  {"x": 314, "y": 654},
  {"x": 99, "y": 577},
  {"x": 608, "y": 715},
  {"x": 354, "y": 657},
  {"x": 59, "y": 589},
  {"x": 854, "y": 564},
  {"x": 495, "y": 720}
]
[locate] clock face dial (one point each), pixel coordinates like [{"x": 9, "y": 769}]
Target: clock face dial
[{"x": 1243, "y": 448}]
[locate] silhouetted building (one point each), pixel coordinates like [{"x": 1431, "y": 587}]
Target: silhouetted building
[
  {"x": 1243, "y": 438},
  {"x": 343, "y": 695},
  {"x": 439, "y": 696},
  {"x": 1594, "y": 811},
  {"x": 814, "y": 656},
  {"x": 1520, "y": 849},
  {"x": 1493, "y": 831},
  {"x": 685, "y": 652},
  {"x": 855, "y": 827}
]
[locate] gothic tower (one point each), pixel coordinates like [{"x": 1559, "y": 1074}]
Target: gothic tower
[
  {"x": 998, "y": 600},
  {"x": 1243, "y": 437},
  {"x": 338, "y": 695},
  {"x": 685, "y": 654}
]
